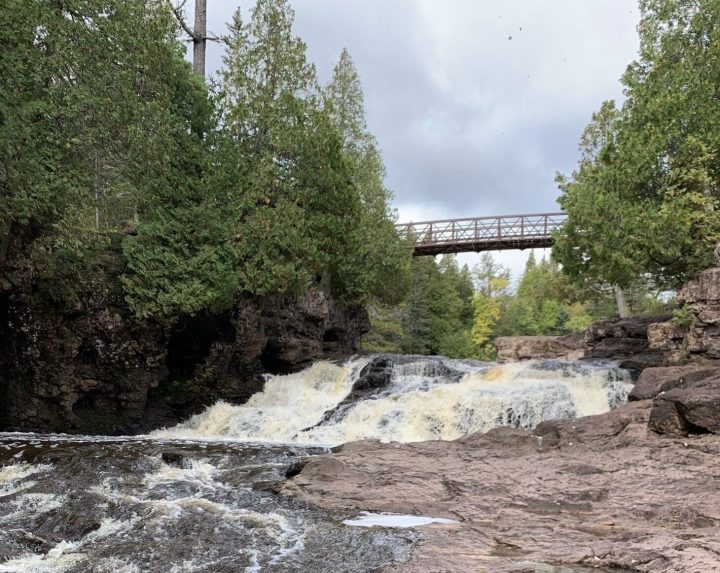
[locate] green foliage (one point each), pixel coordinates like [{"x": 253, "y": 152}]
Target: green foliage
[
  {"x": 308, "y": 202},
  {"x": 109, "y": 143},
  {"x": 643, "y": 200},
  {"x": 458, "y": 313},
  {"x": 542, "y": 295},
  {"x": 683, "y": 316},
  {"x": 386, "y": 334},
  {"x": 182, "y": 259},
  {"x": 486, "y": 316},
  {"x": 382, "y": 263},
  {"x": 90, "y": 120},
  {"x": 436, "y": 316}
]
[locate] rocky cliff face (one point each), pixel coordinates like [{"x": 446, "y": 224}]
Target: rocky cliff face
[
  {"x": 101, "y": 371},
  {"x": 696, "y": 336},
  {"x": 623, "y": 340}
]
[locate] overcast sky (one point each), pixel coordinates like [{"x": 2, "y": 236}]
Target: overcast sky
[{"x": 476, "y": 104}]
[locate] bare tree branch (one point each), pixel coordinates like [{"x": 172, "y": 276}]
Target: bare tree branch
[
  {"x": 177, "y": 11},
  {"x": 219, "y": 39}
]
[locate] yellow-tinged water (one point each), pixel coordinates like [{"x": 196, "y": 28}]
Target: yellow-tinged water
[{"x": 424, "y": 399}]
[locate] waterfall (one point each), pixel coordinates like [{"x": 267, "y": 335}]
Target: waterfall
[{"x": 421, "y": 398}]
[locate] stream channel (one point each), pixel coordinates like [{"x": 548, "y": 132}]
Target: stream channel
[{"x": 202, "y": 496}]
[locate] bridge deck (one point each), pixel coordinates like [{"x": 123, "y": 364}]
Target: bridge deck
[{"x": 482, "y": 233}]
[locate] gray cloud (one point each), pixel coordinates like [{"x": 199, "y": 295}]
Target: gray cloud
[{"x": 475, "y": 105}]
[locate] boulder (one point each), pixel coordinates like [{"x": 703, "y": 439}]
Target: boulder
[
  {"x": 653, "y": 381},
  {"x": 516, "y": 348},
  {"x": 636, "y": 327},
  {"x": 693, "y": 408},
  {"x": 705, "y": 288}
]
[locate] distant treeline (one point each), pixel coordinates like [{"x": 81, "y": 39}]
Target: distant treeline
[{"x": 458, "y": 312}]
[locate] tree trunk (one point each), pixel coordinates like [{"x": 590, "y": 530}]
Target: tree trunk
[
  {"x": 623, "y": 310},
  {"x": 200, "y": 37}
]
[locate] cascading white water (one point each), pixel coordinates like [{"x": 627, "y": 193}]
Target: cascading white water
[
  {"x": 426, "y": 399},
  {"x": 287, "y": 405},
  {"x": 70, "y": 504}
]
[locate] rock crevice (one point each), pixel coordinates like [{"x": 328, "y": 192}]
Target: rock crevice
[
  {"x": 623, "y": 340},
  {"x": 99, "y": 370}
]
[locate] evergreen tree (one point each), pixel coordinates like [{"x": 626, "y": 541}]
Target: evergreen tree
[
  {"x": 434, "y": 318},
  {"x": 285, "y": 169},
  {"x": 92, "y": 107},
  {"x": 383, "y": 258},
  {"x": 417, "y": 315},
  {"x": 643, "y": 200}
]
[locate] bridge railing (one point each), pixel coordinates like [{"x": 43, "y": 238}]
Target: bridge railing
[{"x": 474, "y": 233}]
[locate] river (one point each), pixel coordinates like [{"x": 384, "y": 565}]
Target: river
[{"x": 201, "y": 496}]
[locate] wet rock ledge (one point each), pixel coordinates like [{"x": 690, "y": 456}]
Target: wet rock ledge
[
  {"x": 604, "y": 491},
  {"x": 97, "y": 370}
]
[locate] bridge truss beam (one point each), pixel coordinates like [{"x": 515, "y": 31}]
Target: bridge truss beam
[{"x": 482, "y": 233}]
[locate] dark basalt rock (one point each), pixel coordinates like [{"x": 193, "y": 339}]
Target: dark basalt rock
[
  {"x": 694, "y": 408},
  {"x": 175, "y": 459},
  {"x": 96, "y": 369},
  {"x": 654, "y": 381},
  {"x": 621, "y": 328}
]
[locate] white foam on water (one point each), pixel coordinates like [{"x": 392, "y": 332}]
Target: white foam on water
[
  {"x": 198, "y": 473},
  {"x": 287, "y": 405},
  {"x": 12, "y": 476},
  {"x": 422, "y": 402},
  {"x": 287, "y": 538},
  {"x": 368, "y": 519},
  {"x": 33, "y": 504},
  {"x": 66, "y": 555},
  {"x": 59, "y": 559},
  {"x": 254, "y": 566},
  {"x": 115, "y": 565},
  {"x": 187, "y": 566}
]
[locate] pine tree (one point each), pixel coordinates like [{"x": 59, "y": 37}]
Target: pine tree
[
  {"x": 284, "y": 167},
  {"x": 383, "y": 259}
]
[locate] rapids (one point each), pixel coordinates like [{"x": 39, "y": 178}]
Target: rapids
[
  {"x": 200, "y": 496},
  {"x": 422, "y": 399}
]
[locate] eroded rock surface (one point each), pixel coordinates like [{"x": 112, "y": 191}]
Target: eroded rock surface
[
  {"x": 96, "y": 369},
  {"x": 695, "y": 335},
  {"x": 517, "y": 348},
  {"x": 691, "y": 408},
  {"x": 601, "y": 491},
  {"x": 624, "y": 340}
]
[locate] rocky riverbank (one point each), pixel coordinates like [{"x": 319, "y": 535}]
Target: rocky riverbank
[
  {"x": 602, "y": 491},
  {"x": 625, "y": 341},
  {"x": 98, "y": 370},
  {"x": 634, "y": 489}
]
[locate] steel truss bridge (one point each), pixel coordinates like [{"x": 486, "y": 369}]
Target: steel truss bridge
[{"x": 482, "y": 233}]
